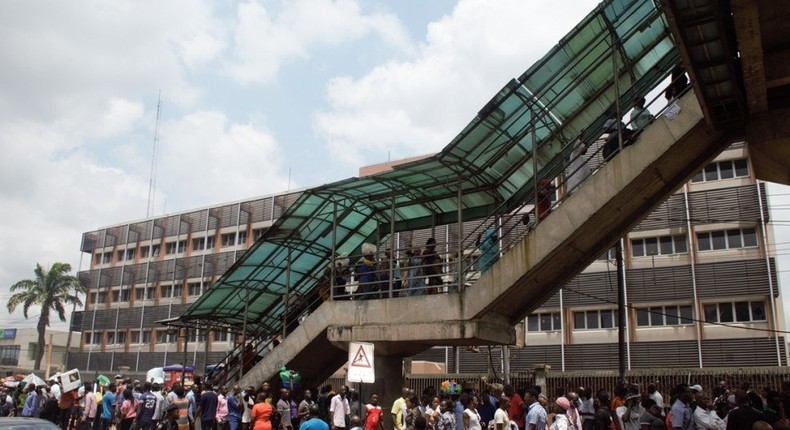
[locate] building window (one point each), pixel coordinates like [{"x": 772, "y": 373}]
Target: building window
[
  {"x": 136, "y": 338},
  {"x": 228, "y": 239},
  {"x": 120, "y": 254},
  {"x": 98, "y": 258},
  {"x": 9, "y": 355},
  {"x": 144, "y": 252},
  {"x": 110, "y": 337},
  {"x": 86, "y": 337},
  {"x": 139, "y": 293},
  {"x": 199, "y": 244},
  {"x": 597, "y": 319},
  {"x": 257, "y": 233},
  {"x": 727, "y": 312},
  {"x": 130, "y": 253},
  {"x": 663, "y": 245},
  {"x": 727, "y": 239},
  {"x": 150, "y": 293},
  {"x": 549, "y": 321},
  {"x": 197, "y": 336},
  {"x": 120, "y": 337},
  {"x": 155, "y": 250},
  {"x": 162, "y": 336},
  {"x": 608, "y": 255},
  {"x": 726, "y": 169},
  {"x": 210, "y": 242},
  {"x": 92, "y": 297},
  {"x": 170, "y": 248},
  {"x": 220, "y": 336},
  {"x": 96, "y": 338},
  {"x": 101, "y": 297},
  {"x": 659, "y": 316},
  {"x": 193, "y": 288},
  {"x": 182, "y": 246},
  {"x": 116, "y": 296},
  {"x": 107, "y": 258},
  {"x": 168, "y": 291},
  {"x": 242, "y": 238}
]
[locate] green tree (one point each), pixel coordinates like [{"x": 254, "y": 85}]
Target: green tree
[{"x": 52, "y": 290}]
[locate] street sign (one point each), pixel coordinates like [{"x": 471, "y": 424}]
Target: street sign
[{"x": 360, "y": 363}]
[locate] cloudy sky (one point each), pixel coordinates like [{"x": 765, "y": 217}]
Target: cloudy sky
[{"x": 251, "y": 91}]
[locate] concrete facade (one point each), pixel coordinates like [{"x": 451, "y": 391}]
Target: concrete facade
[{"x": 18, "y": 348}]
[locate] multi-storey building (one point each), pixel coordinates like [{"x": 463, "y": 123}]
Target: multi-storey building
[{"x": 701, "y": 286}]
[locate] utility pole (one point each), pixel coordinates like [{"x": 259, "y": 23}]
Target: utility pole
[{"x": 620, "y": 312}]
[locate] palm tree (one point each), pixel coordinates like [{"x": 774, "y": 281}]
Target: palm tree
[{"x": 51, "y": 290}]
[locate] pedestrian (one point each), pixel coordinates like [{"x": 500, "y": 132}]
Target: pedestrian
[
  {"x": 304, "y": 406},
  {"x": 313, "y": 421},
  {"x": 261, "y": 413},
  {"x": 536, "y": 415},
  {"x": 339, "y": 410},
  {"x": 284, "y": 409},
  {"x": 235, "y": 408},
  {"x": 145, "y": 420},
  {"x": 501, "y": 420},
  {"x": 373, "y": 414},
  {"x": 472, "y": 419},
  {"x": 432, "y": 266},
  {"x": 207, "y": 408},
  {"x": 222, "y": 409},
  {"x": 128, "y": 410},
  {"x": 651, "y": 418}
]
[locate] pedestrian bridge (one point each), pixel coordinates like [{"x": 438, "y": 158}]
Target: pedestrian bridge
[{"x": 286, "y": 294}]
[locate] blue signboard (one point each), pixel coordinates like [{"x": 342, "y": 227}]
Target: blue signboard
[{"x": 8, "y": 333}]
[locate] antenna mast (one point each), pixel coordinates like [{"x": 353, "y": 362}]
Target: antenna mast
[{"x": 152, "y": 177}]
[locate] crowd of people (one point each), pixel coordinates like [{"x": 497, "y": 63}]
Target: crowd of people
[{"x": 133, "y": 405}]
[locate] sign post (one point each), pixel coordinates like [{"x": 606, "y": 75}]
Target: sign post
[
  {"x": 360, "y": 366},
  {"x": 360, "y": 363}
]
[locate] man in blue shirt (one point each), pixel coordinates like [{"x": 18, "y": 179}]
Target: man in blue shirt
[
  {"x": 147, "y": 407},
  {"x": 31, "y": 408},
  {"x": 314, "y": 421},
  {"x": 207, "y": 408},
  {"x": 108, "y": 406},
  {"x": 235, "y": 408},
  {"x": 536, "y": 415}
]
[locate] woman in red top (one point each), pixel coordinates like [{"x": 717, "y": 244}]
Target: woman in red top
[
  {"x": 373, "y": 414},
  {"x": 261, "y": 413}
]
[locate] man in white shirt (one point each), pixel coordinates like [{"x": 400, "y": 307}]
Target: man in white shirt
[
  {"x": 339, "y": 409},
  {"x": 705, "y": 418},
  {"x": 55, "y": 390},
  {"x": 655, "y": 395},
  {"x": 159, "y": 409},
  {"x": 501, "y": 420}
]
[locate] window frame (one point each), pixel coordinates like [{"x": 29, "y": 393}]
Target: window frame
[
  {"x": 731, "y": 305},
  {"x": 707, "y": 240}
]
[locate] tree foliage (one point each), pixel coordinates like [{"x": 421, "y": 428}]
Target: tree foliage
[{"x": 51, "y": 290}]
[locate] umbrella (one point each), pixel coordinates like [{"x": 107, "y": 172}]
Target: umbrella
[
  {"x": 103, "y": 380},
  {"x": 33, "y": 379}
]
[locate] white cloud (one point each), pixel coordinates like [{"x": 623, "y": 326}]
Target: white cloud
[
  {"x": 418, "y": 106},
  {"x": 206, "y": 158},
  {"x": 264, "y": 42}
]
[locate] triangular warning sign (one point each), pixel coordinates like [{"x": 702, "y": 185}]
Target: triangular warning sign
[{"x": 361, "y": 358}]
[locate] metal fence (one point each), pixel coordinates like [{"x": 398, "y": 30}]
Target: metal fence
[{"x": 666, "y": 379}]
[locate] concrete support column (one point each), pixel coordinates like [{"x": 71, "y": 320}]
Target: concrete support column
[{"x": 389, "y": 381}]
